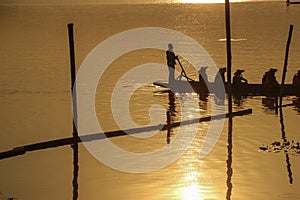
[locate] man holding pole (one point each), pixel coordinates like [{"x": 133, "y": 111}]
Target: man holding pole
[{"x": 171, "y": 62}]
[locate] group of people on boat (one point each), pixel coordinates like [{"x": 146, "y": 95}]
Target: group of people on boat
[{"x": 268, "y": 79}]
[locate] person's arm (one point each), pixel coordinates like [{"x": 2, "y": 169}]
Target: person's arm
[{"x": 244, "y": 80}]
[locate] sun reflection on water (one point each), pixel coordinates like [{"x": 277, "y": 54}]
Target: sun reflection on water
[
  {"x": 191, "y": 193},
  {"x": 190, "y": 189},
  {"x": 193, "y": 184},
  {"x": 194, "y": 180}
]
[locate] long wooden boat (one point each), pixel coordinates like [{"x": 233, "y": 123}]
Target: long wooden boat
[
  {"x": 288, "y": 2},
  {"x": 182, "y": 86}
]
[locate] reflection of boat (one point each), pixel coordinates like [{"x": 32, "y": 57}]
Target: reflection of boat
[
  {"x": 246, "y": 90},
  {"x": 296, "y": 103},
  {"x": 270, "y": 102}
]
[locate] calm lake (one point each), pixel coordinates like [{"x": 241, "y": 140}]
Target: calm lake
[{"x": 36, "y": 103}]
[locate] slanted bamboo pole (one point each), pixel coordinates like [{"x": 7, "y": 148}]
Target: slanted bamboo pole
[{"x": 285, "y": 63}]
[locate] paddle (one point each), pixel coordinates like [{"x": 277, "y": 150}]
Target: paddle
[{"x": 183, "y": 73}]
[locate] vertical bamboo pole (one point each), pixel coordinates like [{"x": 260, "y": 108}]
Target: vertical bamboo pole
[
  {"x": 228, "y": 46},
  {"x": 229, "y": 89},
  {"x": 75, "y": 133}
]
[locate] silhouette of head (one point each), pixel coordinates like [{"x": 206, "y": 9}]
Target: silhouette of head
[
  {"x": 222, "y": 70},
  {"x": 273, "y": 70},
  {"x": 202, "y": 70},
  {"x": 170, "y": 46},
  {"x": 238, "y": 72}
]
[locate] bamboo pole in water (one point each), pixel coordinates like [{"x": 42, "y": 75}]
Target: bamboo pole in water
[
  {"x": 229, "y": 88},
  {"x": 168, "y": 127},
  {"x": 99, "y": 136},
  {"x": 285, "y": 63},
  {"x": 283, "y": 134},
  {"x": 228, "y": 46},
  {"x": 73, "y": 75},
  {"x": 75, "y": 133}
]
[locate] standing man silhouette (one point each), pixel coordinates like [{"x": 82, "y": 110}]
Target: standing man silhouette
[{"x": 171, "y": 62}]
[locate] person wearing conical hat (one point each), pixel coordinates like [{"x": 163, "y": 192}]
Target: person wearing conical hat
[
  {"x": 238, "y": 78},
  {"x": 269, "y": 78}
]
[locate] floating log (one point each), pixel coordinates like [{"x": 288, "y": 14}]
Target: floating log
[{"x": 99, "y": 136}]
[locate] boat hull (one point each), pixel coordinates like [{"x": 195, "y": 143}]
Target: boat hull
[{"x": 241, "y": 90}]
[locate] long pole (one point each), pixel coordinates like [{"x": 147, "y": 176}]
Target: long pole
[
  {"x": 183, "y": 71},
  {"x": 229, "y": 138},
  {"x": 73, "y": 75},
  {"x": 75, "y": 133},
  {"x": 99, "y": 136},
  {"x": 280, "y": 101},
  {"x": 285, "y": 63},
  {"x": 228, "y": 46}
]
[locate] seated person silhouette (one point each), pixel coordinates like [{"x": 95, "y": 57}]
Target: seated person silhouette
[
  {"x": 269, "y": 78},
  {"x": 221, "y": 73},
  {"x": 203, "y": 79},
  {"x": 296, "y": 79},
  {"x": 238, "y": 79},
  {"x": 296, "y": 83}
]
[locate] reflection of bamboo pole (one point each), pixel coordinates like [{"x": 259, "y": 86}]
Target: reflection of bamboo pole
[
  {"x": 288, "y": 166},
  {"x": 229, "y": 163},
  {"x": 283, "y": 135},
  {"x": 75, "y": 133},
  {"x": 169, "y": 127}
]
